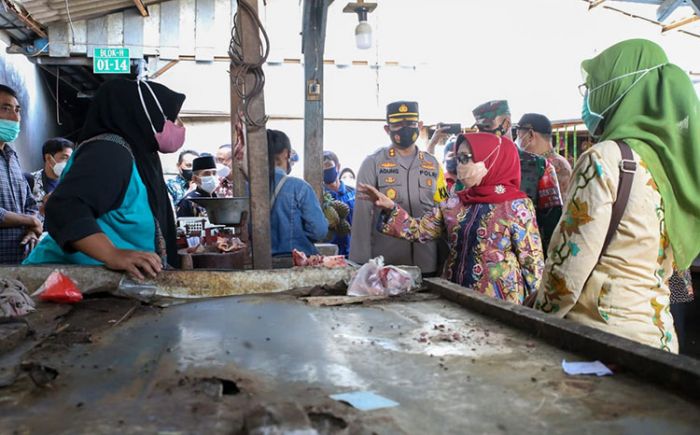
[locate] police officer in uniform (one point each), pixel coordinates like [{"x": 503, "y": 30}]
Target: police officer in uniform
[{"x": 412, "y": 178}]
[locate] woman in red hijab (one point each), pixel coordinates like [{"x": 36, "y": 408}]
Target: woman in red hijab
[{"x": 490, "y": 224}]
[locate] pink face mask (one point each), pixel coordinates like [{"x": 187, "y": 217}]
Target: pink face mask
[{"x": 172, "y": 137}]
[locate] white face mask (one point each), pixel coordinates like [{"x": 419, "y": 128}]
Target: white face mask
[
  {"x": 58, "y": 168},
  {"x": 222, "y": 170},
  {"x": 209, "y": 183}
]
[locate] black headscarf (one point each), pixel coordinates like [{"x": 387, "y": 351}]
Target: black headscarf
[{"x": 117, "y": 109}]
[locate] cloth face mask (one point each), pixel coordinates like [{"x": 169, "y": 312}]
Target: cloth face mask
[
  {"x": 209, "y": 183},
  {"x": 172, "y": 137},
  {"x": 593, "y": 119}
]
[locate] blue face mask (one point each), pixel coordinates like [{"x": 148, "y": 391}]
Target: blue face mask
[
  {"x": 9, "y": 130},
  {"x": 330, "y": 175},
  {"x": 591, "y": 119}
]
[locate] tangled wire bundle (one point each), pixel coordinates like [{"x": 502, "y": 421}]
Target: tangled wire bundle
[{"x": 240, "y": 68}]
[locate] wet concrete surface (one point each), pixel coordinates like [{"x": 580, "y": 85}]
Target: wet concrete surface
[{"x": 217, "y": 366}]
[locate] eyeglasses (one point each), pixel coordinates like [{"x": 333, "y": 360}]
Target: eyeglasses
[
  {"x": 583, "y": 89},
  {"x": 525, "y": 130},
  {"x": 464, "y": 158}
]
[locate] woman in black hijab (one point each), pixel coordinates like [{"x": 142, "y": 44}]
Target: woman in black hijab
[{"x": 99, "y": 187}]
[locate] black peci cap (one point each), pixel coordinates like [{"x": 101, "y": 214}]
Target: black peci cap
[
  {"x": 535, "y": 121},
  {"x": 202, "y": 163}
]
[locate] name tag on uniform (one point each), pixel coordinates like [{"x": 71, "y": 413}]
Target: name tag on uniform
[{"x": 384, "y": 171}]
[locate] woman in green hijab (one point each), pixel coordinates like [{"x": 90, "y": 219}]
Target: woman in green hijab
[{"x": 633, "y": 94}]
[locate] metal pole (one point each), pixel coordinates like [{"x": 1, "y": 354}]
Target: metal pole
[
  {"x": 314, "y": 35},
  {"x": 575, "y": 145}
]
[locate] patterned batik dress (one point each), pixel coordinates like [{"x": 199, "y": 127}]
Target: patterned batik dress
[
  {"x": 495, "y": 249},
  {"x": 625, "y": 291}
]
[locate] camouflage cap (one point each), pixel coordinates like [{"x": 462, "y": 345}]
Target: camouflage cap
[{"x": 487, "y": 112}]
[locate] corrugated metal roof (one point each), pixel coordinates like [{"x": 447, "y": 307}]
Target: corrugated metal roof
[
  {"x": 49, "y": 11},
  {"x": 176, "y": 28},
  {"x": 17, "y": 30}
]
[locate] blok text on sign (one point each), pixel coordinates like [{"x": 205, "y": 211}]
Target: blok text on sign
[{"x": 111, "y": 61}]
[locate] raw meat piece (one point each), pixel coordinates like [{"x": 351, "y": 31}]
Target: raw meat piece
[
  {"x": 375, "y": 279},
  {"x": 302, "y": 260},
  {"x": 332, "y": 261},
  {"x": 229, "y": 244},
  {"x": 395, "y": 280}
]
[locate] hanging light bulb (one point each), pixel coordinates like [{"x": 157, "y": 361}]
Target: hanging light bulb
[
  {"x": 363, "y": 35},
  {"x": 363, "y": 31}
]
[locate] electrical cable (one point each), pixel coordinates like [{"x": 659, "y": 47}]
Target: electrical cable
[
  {"x": 70, "y": 21},
  {"x": 240, "y": 68},
  {"x": 58, "y": 112},
  {"x": 40, "y": 51}
]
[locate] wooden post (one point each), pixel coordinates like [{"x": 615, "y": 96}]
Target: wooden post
[
  {"x": 256, "y": 144},
  {"x": 313, "y": 42}
]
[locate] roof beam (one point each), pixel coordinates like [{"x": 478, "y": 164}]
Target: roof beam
[
  {"x": 164, "y": 69},
  {"x": 595, "y": 4},
  {"x": 141, "y": 7},
  {"x": 680, "y": 23},
  {"x": 21, "y": 13}
]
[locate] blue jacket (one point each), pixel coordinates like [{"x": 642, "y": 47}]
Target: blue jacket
[
  {"x": 345, "y": 194},
  {"x": 296, "y": 219}
]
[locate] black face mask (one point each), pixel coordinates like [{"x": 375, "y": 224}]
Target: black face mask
[
  {"x": 405, "y": 137},
  {"x": 186, "y": 174},
  {"x": 500, "y": 130}
]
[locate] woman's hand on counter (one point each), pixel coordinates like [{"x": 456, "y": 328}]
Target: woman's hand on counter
[{"x": 139, "y": 265}]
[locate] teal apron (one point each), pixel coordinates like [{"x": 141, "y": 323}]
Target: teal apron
[{"x": 131, "y": 226}]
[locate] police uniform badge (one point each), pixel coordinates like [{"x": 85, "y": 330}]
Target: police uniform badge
[{"x": 391, "y": 194}]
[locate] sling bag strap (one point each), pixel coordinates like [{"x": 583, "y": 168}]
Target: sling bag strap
[
  {"x": 627, "y": 169},
  {"x": 277, "y": 191}
]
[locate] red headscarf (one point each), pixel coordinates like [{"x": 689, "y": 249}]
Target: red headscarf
[{"x": 502, "y": 182}]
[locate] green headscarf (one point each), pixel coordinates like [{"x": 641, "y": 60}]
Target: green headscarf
[{"x": 659, "y": 117}]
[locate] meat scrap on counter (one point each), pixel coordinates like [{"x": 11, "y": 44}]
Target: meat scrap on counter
[{"x": 330, "y": 261}]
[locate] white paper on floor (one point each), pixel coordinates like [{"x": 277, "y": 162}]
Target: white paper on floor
[{"x": 585, "y": 368}]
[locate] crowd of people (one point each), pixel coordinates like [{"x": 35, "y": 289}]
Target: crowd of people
[{"x": 603, "y": 243}]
